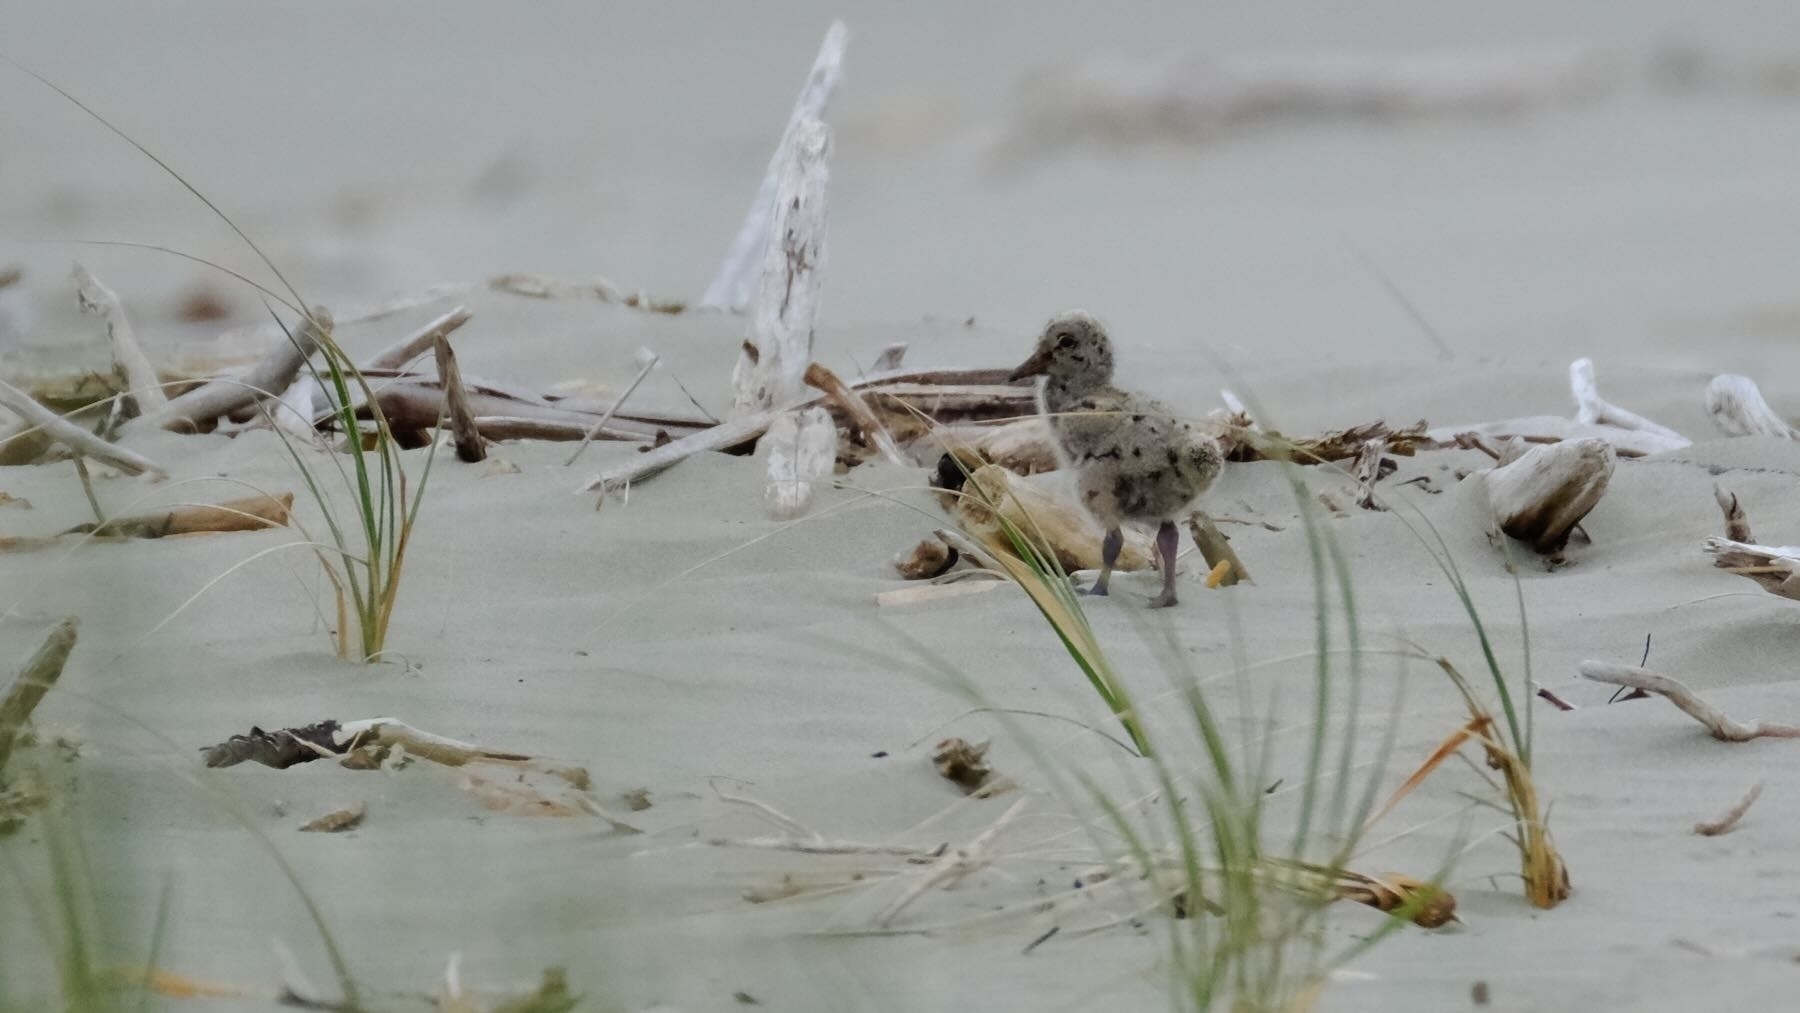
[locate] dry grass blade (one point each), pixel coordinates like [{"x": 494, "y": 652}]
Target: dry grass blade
[{"x": 1446, "y": 749}]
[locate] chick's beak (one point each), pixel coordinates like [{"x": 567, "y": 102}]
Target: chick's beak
[{"x": 1033, "y": 366}]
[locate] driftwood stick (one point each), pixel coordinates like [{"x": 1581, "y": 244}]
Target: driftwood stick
[
  {"x": 1725, "y": 823},
  {"x": 1215, "y": 548},
  {"x": 851, "y": 404},
  {"x": 649, "y": 359},
  {"x": 141, "y": 381},
  {"x": 733, "y": 287},
  {"x": 1722, "y": 728},
  {"x": 398, "y": 355},
  {"x": 29, "y": 686},
  {"x": 1774, "y": 568},
  {"x": 802, "y": 448},
  {"x": 469, "y": 447},
  {"x": 772, "y": 365},
  {"x": 75, "y": 437},
  {"x": 1737, "y": 407},
  {"x": 268, "y": 377},
  {"x": 1592, "y": 409},
  {"x": 724, "y": 436},
  {"x": 249, "y": 514}
]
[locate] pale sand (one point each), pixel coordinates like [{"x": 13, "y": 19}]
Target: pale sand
[{"x": 1648, "y": 233}]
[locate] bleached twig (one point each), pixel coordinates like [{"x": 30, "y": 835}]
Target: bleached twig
[
  {"x": 1629, "y": 434},
  {"x": 719, "y": 437},
  {"x": 1592, "y": 409},
  {"x": 1725, "y": 823},
  {"x": 141, "y": 380},
  {"x": 952, "y": 867},
  {"x": 1774, "y": 568},
  {"x": 1737, "y": 407},
  {"x": 732, "y": 287},
  {"x": 398, "y": 355},
  {"x": 1722, "y": 728},
  {"x": 772, "y": 364},
  {"x": 75, "y": 437},
  {"x": 268, "y": 377},
  {"x": 649, "y": 360}
]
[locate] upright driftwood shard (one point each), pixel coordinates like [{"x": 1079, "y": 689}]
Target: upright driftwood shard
[
  {"x": 469, "y": 446},
  {"x": 802, "y": 449},
  {"x": 1592, "y": 409},
  {"x": 1737, "y": 407},
  {"x": 30, "y": 685},
  {"x": 772, "y": 366},
  {"x": 1541, "y": 495},
  {"x": 734, "y": 286},
  {"x": 134, "y": 366}
]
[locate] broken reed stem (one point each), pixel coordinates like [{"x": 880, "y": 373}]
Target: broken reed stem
[
  {"x": 469, "y": 447},
  {"x": 29, "y": 686},
  {"x": 612, "y": 409},
  {"x": 1725, "y": 823},
  {"x": 399, "y": 355},
  {"x": 732, "y": 287},
  {"x": 75, "y": 437},
  {"x": 141, "y": 381},
  {"x": 1722, "y": 728}
]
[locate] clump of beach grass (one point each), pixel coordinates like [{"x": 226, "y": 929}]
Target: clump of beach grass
[
  {"x": 365, "y": 559},
  {"x": 1248, "y": 901}
]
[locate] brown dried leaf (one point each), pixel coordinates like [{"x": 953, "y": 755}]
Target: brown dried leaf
[
  {"x": 339, "y": 821},
  {"x": 963, "y": 763}
]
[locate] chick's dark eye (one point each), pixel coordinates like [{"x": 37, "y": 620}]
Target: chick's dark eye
[{"x": 1066, "y": 341}]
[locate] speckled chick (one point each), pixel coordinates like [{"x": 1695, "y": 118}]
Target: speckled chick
[{"x": 1133, "y": 459}]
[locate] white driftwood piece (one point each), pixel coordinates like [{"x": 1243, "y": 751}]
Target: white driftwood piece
[
  {"x": 802, "y": 449},
  {"x": 1775, "y": 568},
  {"x": 141, "y": 381},
  {"x": 787, "y": 302},
  {"x": 1541, "y": 496},
  {"x": 75, "y": 437},
  {"x": 1737, "y": 407},
  {"x": 402, "y": 353},
  {"x": 1723, "y": 728},
  {"x": 270, "y": 376},
  {"x": 735, "y": 284},
  {"x": 298, "y": 405},
  {"x": 1596, "y": 418},
  {"x": 1592, "y": 409}
]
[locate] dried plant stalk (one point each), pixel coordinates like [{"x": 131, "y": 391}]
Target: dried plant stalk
[{"x": 1215, "y": 548}]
